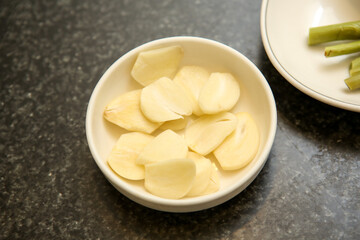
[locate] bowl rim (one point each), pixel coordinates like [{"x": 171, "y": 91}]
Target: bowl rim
[{"x": 194, "y": 202}]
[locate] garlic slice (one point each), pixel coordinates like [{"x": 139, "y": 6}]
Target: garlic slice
[
  {"x": 125, "y": 152},
  {"x": 220, "y": 93},
  {"x": 176, "y": 125},
  {"x": 166, "y": 145},
  {"x": 239, "y": 148},
  {"x": 125, "y": 112},
  {"x": 164, "y": 100},
  {"x": 192, "y": 79},
  {"x": 214, "y": 183},
  {"x": 154, "y": 64},
  {"x": 203, "y": 173},
  {"x": 207, "y": 132},
  {"x": 171, "y": 178}
]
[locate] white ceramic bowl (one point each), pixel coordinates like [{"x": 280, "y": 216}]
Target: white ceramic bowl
[{"x": 256, "y": 98}]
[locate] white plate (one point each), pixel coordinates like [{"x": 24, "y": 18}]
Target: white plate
[{"x": 284, "y": 30}]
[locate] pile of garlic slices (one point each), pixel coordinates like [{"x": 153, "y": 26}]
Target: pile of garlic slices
[{"x": 190, "y": 100}]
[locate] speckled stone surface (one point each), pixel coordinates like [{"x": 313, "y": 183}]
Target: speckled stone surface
[{"x": 52, "y": 53}]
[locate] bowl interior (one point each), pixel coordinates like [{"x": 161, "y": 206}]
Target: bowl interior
[{"x": 256, "y": 98}]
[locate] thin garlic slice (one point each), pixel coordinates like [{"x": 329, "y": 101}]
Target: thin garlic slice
[
  {"x": 125, "y": 112},
  {"x": 176, "y": 125},
  {"x": 125, "y": 152},
  {"x": 164, "y": 100},
  {"x": 154, "y": 64},
  {"x": 219, "y": 94},
  {"x": 171, "y": 178},
  {"x": 166, "y": 145},
  {"x": 192, "y": 79},
  {"x": 239, "y": 148},
  {"x": 203, "y": 173},
  {"x": 214, "y": 183},
  {"x": 207, "y": 132}
]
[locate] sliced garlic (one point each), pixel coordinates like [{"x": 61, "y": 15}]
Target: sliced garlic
[
  {"x": 166, "y": 145},
  {"x": 125, "y": 152},
  {"x": 220, "y": 93},
  {"x": 176, "y": 125},
  {"x": 214, "y": 183},
  {"x": 154, "y": 64},
  {"x": 203, "y": 173},
  {"x": 125, "y": 112},
  {"x": 164, "y": 100},
  {"x": 192, "y": 79},
  {"x": 207, "y": 132},
  {"x": 171, "y": 178},
  {"x": 239, "y": 148}
]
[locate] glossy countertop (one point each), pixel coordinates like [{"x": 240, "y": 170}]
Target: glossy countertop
[{"x": 52, "y": 53}]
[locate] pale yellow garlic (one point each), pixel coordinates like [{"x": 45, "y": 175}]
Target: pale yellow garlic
[
  {"x": 171, "y": 178},
  {"x": 166, "y": 145},
  {"x": 125, "y": 112},
  {"x": 192, "y": 79},
  {"x": 164, "y": 100},
  {"x": 207, "y": 132},
  {"x": 214, "y": 183},
  {"x": 239, "y": 148},
  {"x": 176, "y": 125},
  {"x": 203, "y": 173},
  {"x": 153, "y": 64},
  {"x": 220, "y": 93},
  {"x": 125, "y": 152}
]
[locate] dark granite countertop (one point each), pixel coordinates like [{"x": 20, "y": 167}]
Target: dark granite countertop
[{"x": 52, "y": 53}]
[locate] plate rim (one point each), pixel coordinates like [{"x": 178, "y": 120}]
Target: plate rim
[{"x": 287, "y": 75}]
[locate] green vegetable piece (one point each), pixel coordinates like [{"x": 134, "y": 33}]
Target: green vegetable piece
[
  {"x": 354, "y": 71},
  {"x": 355, "y": 63},
  {"x": 353, "y": 82},
  {"x": 334, "y": 32},
  {"x": 342, "y": 49}
]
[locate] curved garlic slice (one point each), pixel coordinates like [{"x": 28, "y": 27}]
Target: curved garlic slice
[
  {"x": 171, "y": 178},
  {"x": 176, "y": 125},
  {"x": 207, "y": 132},
  {"x": 192, "y": 79},
  {"x": 203, "y": 173},
  {"x": 164, "y": 100},
  {"x": 125, "y": 152},
  {"x": 125, "y": 112},
  {"x": 214, "y": 183},
  {"x": 220, "y": 93},
  {"x": 166, "y": 145},
  {"x": 239, "y": 148},
  {"x": 153, "y": 64}
]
